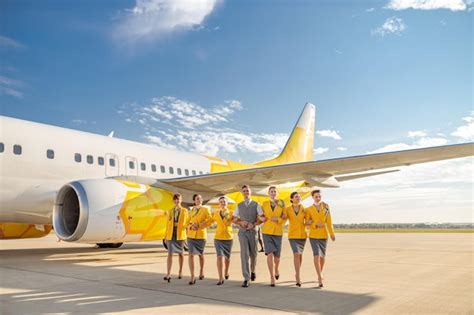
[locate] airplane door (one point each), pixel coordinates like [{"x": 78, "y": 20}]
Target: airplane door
[
  {"x": 111, "y": 165},
  {"x": 131, "y": 166}
]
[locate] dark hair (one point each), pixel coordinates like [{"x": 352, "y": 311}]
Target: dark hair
[
  {"x": 176, "y": 196},
  {"x": 244, "y": 186},
  {"x": 195, "y": 195},
  {"x": 316, "y": 191},
  {"x": 292, "y": 195},
  {"x": 269, "y": 188},
  {"x": 222, "y": 197}
]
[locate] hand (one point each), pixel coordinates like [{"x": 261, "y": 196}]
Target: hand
[
  {"x": 319, "y": 224},
  {"x": 333, "y": 237},
  {"x": 284, "y": 217},
  {"x": 263, "y": 219},
  {"x": 274, "y": 219},
  {"x": 309, "y": 222},
  {"x": 195, "y": 226},
  {"x": 250, "y": 226},
  {"x": 243, "y": 224}
]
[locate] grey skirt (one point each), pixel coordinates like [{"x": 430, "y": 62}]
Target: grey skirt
[
  {"x": 223, "y": 247},
  {"x": 297, "y": 245},
  {"x": 272, "y": 244},
  {"x": 196, "y": 246},
  {"x": 175, "y": 246},
  {"x": 318, "y": 246}
]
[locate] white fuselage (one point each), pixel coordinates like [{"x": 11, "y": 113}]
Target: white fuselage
[{"x": 31, "y": 179}]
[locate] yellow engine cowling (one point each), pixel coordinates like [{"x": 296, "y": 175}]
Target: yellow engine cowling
[
  {"x": 23, "y": 230},
  {"x": 110, "y": 211}
]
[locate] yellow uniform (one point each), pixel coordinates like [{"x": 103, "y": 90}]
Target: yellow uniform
[
  {"x": 296, "y": 227},
  {"x": 177, "y": 219},
  {"x": 270, "y": 227},
  {"x": 199, "y": 216},
  {"x": 320, "y": 214},
  {"x": 224, "y": 225}
]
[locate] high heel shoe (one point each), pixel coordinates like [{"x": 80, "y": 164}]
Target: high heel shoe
[
  {"x": 201, "y": 277},
  {"x": 167, "y": 279},
  {"x": 320, "y": 285},
  {"x": 179, "y": 277},
  {"x": 221, "y": 282},
  {"x": 226, "y": 277},
  {"x": 277, "y": 277},
  {"x": 298, "y": 284},
  {"x": 272, "y": 284},
  {"x": 192, "y": 282}
]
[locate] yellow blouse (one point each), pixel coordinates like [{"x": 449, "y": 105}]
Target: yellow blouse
[
  {"x": 177, "y": 220},
  {"x": 296, "y": 227},
  {"x": 321, "y": 215},
  {"x": 198, "y": 216},
  {"x": 224, "y": 225},
  {"x": 269, "y": 227}
]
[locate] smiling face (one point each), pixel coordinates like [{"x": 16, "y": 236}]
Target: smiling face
[
  {"x": 296, "y": 199},
  {"x": 246, "y": 192},
  {"x": 177, "y": 201},
  {"x": 198, "y": 200},
  {"x": 223, "y": 203},
  {"x": 317, "y": 197},
  {"x": 272, "y": 192}
]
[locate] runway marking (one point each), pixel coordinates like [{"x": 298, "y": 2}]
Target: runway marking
[{"x": 149, "y": 289}]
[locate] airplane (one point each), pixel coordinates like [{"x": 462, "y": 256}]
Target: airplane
[{"x": 102, "y": 190}]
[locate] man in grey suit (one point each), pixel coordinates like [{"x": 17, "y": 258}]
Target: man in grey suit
[{"x": 246, "y": 217}]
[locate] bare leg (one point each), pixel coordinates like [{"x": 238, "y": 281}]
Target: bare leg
[
  {"x": 181, "y": 261},
  {"x": 169, "y": 263},
  {"x": 317, "y": 265},
  {"x": 297, "y": 263},
  {"x": 227, "y": 264},
  {"x": 201, "y": 265},
  {"x": 301, "y": 259},
  {"x": 270, "y": 267},
  {"x": 219, "y": 267},
  {"x": 277, "y": 265},
  {"x": 191, "y": 265}
]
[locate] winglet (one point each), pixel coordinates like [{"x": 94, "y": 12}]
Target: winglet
[{"x": 299, "y": 147}]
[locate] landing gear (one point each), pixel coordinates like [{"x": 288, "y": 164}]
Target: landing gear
[{"x": 109, "y": 245}]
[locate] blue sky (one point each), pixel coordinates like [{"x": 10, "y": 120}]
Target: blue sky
[{"x": 384, "y": 75}]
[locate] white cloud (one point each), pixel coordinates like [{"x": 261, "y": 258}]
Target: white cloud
[
  {"x": 341, "y": 149},
  {"x": 392, "y": 25},
  {"x": 329, "y": 134},
  {"x": 370, "y": 10},
  {"x": 7, "y": 42},
  {"x": 82, "y": 122},
  {"x": 11, "y": 87},
  {"x": 415, "y": 134},
  {"x": 195, "y": 128},
  {"x": 320, "y": 150},
  {"x": 422, "y": 142},
  {"x": 453, "y": 5},
  {"x": 466, "y": 131},
  {"x": 152, "y": 19}
]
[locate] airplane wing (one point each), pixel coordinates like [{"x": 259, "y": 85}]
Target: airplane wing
[{"x": 318, "y": 172}]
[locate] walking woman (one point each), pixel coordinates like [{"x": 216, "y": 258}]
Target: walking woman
[
  {"x": 175, "y": 235},
  {"x": 296, "y": 232},
  {"x": 318, "y": 218},
  {"x": 272, "y": 230},
  {"x": 198, "y": 220},
  {"x": 223, "y": 238}
]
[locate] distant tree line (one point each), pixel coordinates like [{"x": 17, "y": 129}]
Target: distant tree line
[{"x": 405, "y": 226}]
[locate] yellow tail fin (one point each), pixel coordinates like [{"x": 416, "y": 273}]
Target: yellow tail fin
[{"x": 299, "y": 147}]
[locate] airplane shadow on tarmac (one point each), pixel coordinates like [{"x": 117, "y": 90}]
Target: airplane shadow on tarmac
[{"x": 96, "y": 280}]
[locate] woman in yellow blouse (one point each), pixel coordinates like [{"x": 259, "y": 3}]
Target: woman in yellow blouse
[
  {"x": 318, "y": 218},
  {"x": 223, "y": 238},
  {"x": 175, "y": 235},
  {"x": 296, "y": 232},
  {"x": 199, "y": 218},
  {"x": 272, "y": 230}
]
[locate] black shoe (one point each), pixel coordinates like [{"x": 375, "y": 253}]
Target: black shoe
[
  {"x": 226, "y": 277},
  {"x": 220, "y": 282},
  {"x": 179, "y": 277},
  {"x": 277, "y": 277},
  {"x": 321, "y": 285},
  {"x": 201, "y": 277},
  {"x": 272, "y": 285},
  {"x": 253, "y": 276},
  {"x": 192, "y": 282},
  {"x": 245, "y": 284},
  {"x": 298, "y": 284},
  {"x": 167, "y": 279}
]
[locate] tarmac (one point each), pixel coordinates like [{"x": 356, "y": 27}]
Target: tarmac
[{"x": 366, "y": 273}]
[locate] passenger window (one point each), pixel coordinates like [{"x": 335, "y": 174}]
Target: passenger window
[
  {"x": 112, "y": 162},
  {"x": 100, "y": 160},
  {"x": 200, "y": 172},
  {"x": 162, "y": 168},
  {"x": 153, "y": 168},
  {"x": 171, "y": 170},
  {"x": 131, "y": 165},
  {"x": 2, "y": 147},
  {"x": 50, "y": 154},
  {"x": 17, "y": 149},
  {"x": 77, "y": 157},
  {"x": 194, "y": 172},
  {"x": 179, "y": 171},
  {"x": 186, "y": 172},
  {"x": 90, "y": 159},
  {"x": 143, "y": 166}
]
